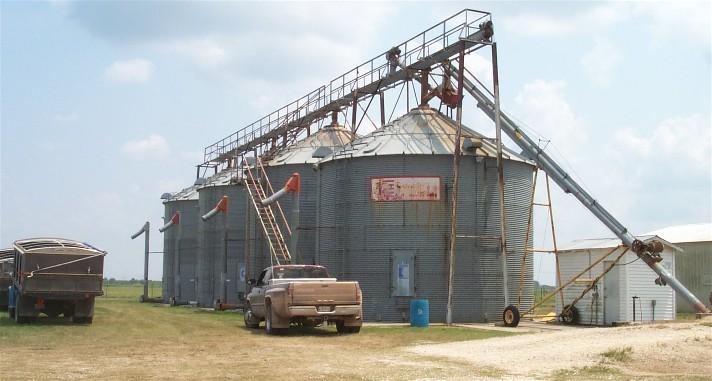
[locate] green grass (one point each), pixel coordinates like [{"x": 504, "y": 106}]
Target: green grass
[
  {"x": 132, "y": 340},
  {"x": 618, "y": 354},
  {"x": 685, "y": 316},
  {"x": 594, "y": 372}
]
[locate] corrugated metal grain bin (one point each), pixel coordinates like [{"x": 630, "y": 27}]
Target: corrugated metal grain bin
[
  {"x": 181, "y": 241},
  {"x": 55, "y": 276},
  {"x": 384, "y": 219},
  {"x": 611, "y": 298},
  {"x": 211, "y": 236},
  {"x": 300, "y": 158}
]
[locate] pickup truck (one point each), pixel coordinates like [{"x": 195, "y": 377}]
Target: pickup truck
[{"x": 302, "y": 295}]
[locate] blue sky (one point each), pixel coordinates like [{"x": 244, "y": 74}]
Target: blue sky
[{"x": 106, "y": 105}]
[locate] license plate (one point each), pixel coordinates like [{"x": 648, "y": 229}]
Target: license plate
[{"x": 323, "y": 308}]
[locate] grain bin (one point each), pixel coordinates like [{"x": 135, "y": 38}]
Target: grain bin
[
  {"x": 384, "y": 219},
  {"x": 227, "y": 182},
  {"x": 300, "y": 158},
  {"x": 183, "y": 238}
]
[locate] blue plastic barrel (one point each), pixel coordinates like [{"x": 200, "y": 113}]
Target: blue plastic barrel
[{"x": 419, "y": 313}]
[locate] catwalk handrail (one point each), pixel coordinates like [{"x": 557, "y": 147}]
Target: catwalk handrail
[
  {"x": 647, "y": 252},
  {"x": 429, "y": 47}
]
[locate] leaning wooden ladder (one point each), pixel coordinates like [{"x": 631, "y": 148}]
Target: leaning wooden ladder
[{"x": 270, "y": 228}]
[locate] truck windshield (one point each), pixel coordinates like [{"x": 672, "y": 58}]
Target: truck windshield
[{"x": 299, "y": 272}]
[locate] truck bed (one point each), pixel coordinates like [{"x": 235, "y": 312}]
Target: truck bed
[{"x": 310, "y": 293}]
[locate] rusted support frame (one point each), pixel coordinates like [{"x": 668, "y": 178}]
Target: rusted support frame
[
  {"x": 353, "y": 114},
  {"x": 573, "y": 279},
  {"x": 526, "y": 242},
  {"x": 383, "y": 109},
  {"x": 553, "y": 236},
  {"x": 500, "y": 169},
  {"x": 590, "y": 286},
  {"x": 455, "y": 186}
]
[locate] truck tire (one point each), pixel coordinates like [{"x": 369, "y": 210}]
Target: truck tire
[
  {"x": 511, "y": 316},
  {"x": 250, "y": 320},
  {"x": 345, "y": 329},
  {"x": 269, "y": 329},
  {"x": 82, "y": 320},
  {"x": 23, "y": 314}
]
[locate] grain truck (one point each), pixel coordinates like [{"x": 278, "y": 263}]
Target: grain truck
[{"x": 55, "y": 276}]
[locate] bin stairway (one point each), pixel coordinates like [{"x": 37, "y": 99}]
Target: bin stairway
[{"x": 265, "y": 214}]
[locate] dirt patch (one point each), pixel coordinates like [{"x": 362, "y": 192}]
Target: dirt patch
[{"x": 676, "y": 349}]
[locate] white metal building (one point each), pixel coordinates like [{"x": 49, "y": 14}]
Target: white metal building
[
  {"x": 694, "y": 268},
  {"x": 611, "y": 299}
]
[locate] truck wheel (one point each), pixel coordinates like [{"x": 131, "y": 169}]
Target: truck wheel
[
  {"x": 345, "y": 329},
  {"x": 82, "y": 320},
  {"x": 269, "y": 329},
  {"x": 250, "y": 320},
  {"x": 21, "y": 311}
]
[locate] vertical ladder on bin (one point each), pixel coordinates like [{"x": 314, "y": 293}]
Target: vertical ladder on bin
[{"x": 270, "y": 228}]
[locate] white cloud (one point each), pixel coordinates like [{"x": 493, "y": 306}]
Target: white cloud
[
  {"x": 591, "y": 19},
  {"x": 206, "y": 53},
  {"x": 534, "y": 24},
  {"x": 687, "y": 139},
  {"x": 600, "y": 61},
  {"x": 66, "y": 117},
  {"x": 153, "y": 146},
  {"x": 544, "y": 106},
  {"x": 673, "y": 21},
  {"x": 667, "y": 20},
  {"x": 134, "y": 70}
]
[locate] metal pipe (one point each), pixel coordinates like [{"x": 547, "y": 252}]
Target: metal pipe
[
  {"x": 292, "y": 186},
  {"x": 568, "y": 185},
  {"x": 176, "y": 264},
  {"x": 175, "y": 220},
  {"x": 144, "y": 229},
  {"x": 221, "y": 206}
]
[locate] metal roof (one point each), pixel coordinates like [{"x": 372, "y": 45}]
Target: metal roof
[
  {"x": 39, "y": 244},
  {"x": 225, "y": 177},
  {"x": 609, "y": 243},
  {"x": 305, "y": 150},
  {"x": 190, "y": 193},
  {"x": 7, "y": 253},
  {"x": 422, "y": 131},
  {"x": 686, "y": 233}
]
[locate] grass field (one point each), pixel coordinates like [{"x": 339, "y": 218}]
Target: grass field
[{"x": 130, "y": 340}]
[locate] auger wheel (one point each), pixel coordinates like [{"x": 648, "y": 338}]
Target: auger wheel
[{"x": 511, "y": 316}]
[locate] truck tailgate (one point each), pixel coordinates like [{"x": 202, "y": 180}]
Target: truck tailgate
[{"x": 306, "y": 293}]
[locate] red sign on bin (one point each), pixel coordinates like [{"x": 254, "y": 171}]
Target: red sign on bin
[{"x": 422, "y": 188}]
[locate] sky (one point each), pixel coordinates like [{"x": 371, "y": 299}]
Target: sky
[{"x": 107, "y": 105}]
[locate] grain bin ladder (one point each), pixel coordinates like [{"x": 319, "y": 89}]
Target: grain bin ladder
[
  {"x": 648, "y": 252},
  {"x": 278, "y": 248}
]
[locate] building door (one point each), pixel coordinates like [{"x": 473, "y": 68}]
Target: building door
[{"x": 611, "y": 294}]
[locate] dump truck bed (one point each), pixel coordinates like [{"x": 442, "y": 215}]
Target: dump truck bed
[{"x": 58, "y": 268}]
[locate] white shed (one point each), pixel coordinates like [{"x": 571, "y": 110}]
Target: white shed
[{"x": 612, "y": 297}]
